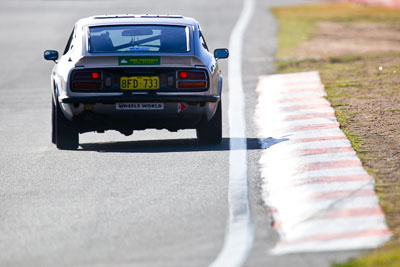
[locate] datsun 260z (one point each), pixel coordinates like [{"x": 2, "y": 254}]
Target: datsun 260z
[{"x": 135, "y": 72}]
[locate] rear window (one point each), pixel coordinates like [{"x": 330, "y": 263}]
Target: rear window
[{"x": 139, "y": 38}]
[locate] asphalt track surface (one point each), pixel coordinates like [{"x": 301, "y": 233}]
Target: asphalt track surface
[{"x": 151, "y": 199}]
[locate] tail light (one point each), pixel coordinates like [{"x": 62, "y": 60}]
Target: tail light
[
  {"x": 86, "y": 85},
  {"x": 192, "y": 85},
  {"x": 86, "y": 81},
  {"x": 192, "y": 75},
  {"x": 192, "y": 79}
]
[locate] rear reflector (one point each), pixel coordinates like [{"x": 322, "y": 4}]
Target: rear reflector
[
  {"x": 192, "y": 85},
  {"x": 86, "y": 85}
]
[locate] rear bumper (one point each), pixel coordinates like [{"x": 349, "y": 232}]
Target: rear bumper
[{"x": 141, "y": 99}]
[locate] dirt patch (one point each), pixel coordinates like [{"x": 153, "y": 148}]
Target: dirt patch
[{"x": 340, "y": 38}]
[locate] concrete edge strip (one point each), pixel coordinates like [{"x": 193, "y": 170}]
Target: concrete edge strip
[{"x": 239, "y": 231}]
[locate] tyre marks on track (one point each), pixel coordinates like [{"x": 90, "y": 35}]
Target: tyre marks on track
[{"x": 316, "y": 188}]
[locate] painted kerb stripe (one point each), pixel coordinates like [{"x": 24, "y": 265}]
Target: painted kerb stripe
[{"x": 319, "y": 195}]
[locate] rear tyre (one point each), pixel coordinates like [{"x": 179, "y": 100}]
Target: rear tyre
[
  {"x": 66, "y": 135},
  {"x": 210, "y": 132},
  {"x": 53, "y": 122}
]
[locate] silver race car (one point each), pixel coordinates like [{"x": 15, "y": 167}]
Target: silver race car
[{"x": 134, "y": 72}]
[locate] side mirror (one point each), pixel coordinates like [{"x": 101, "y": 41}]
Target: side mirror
[
  {"x": 221, "y": 53},
  {"x": 51, "y": 55}
]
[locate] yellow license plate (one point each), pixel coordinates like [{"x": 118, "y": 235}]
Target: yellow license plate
[{"x": 140, "y": 83}]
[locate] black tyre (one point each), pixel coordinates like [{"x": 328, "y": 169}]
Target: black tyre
[
  {"x": 210, "y": 132},
  {"x": 65, "y": 133},
  {"x": 53, "y": 122}
]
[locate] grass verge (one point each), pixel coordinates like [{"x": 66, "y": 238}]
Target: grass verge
[{"x": 365, "y": 92}]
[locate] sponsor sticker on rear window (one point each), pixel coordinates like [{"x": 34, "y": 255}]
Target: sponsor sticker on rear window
[
  {"x": 139, "y": 106},
  {"x": 132, "y": 60}
]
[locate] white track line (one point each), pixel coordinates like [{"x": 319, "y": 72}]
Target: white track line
[
  {"x": 239, "y": 232},
  {"x": 320, "y": 196}
]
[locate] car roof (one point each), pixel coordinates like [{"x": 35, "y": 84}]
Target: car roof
[{"x": 137, "y": 19}]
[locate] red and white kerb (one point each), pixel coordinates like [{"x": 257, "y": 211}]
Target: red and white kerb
[{"x": 319, "y": 195}]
